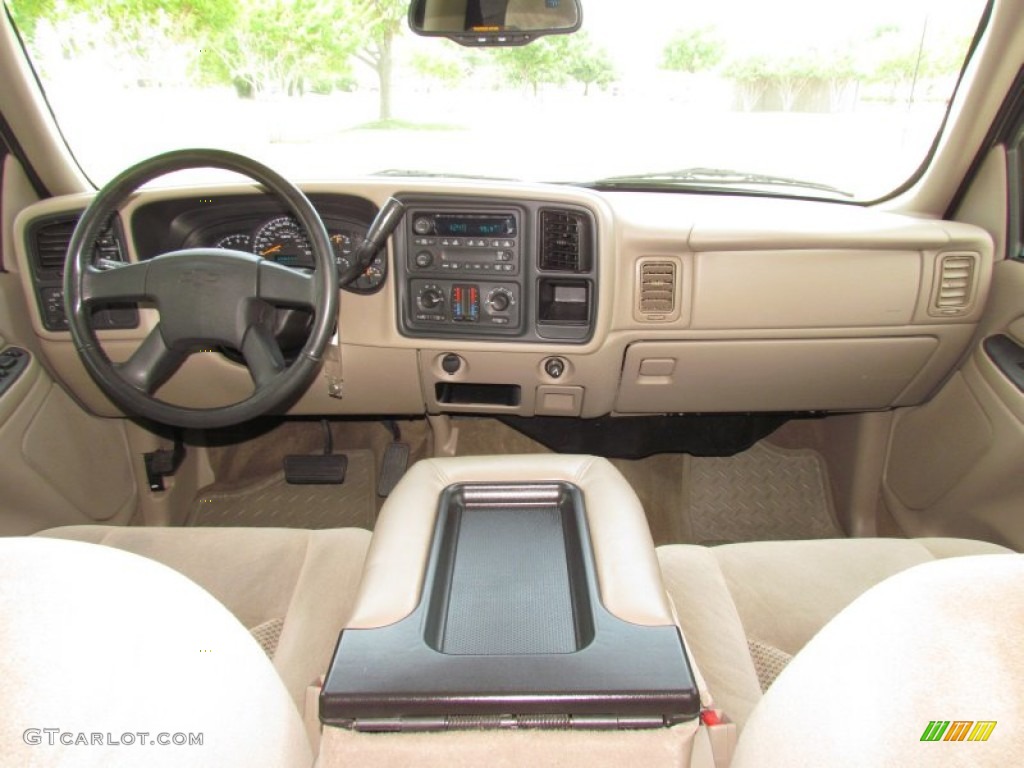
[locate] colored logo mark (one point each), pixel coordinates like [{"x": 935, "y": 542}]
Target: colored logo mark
[{"x": 958, "y": 730}]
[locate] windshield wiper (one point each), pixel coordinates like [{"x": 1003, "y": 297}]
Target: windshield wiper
[{"x": 710, "y": 178}]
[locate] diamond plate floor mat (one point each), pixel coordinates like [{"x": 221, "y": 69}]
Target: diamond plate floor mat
[
  {"x": 271, "y": 502},
  {"x": 763, "y": 493}
]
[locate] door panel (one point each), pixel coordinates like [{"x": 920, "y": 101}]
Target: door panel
[
  {"x": 955, "y": 465},
  {"x": 58, "y": 464}
]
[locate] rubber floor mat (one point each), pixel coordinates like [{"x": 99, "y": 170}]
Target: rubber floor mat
[
  {"x": 761, "y": 494},
  {"x": 272, "y": 503}
]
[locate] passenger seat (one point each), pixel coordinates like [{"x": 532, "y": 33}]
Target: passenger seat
[{"x": 747, "y": 609}]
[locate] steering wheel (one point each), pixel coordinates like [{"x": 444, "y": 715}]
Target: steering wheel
[{"x": 205, "y": 296}]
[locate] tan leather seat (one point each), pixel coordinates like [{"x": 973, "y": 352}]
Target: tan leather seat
[
  {"x": 746, "y": 609},
  {"x": 293, "y": 589}
]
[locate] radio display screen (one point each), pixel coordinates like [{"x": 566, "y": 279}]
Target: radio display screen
[{"x": 452, "y": 225}]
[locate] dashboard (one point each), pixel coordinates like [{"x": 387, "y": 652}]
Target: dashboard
[{"x": 527, "y": 300}]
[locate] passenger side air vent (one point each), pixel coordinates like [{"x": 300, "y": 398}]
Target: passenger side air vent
[
  {"x": 564, "y": 241},
  {"x": 656, "y": 290},
  {"x": 955, "y": 284}
]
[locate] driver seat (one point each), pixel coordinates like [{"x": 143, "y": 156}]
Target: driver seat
[{"x": 292, "y": 589}]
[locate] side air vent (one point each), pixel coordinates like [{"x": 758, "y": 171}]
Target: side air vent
[
  {"x": 564, "y": 241},
  {"x": 955, "y": 285},
  {"x": 656, "y": 294},
  {"x": 51, "y": 244},
  {"x": 48, "y": 240},
  {"x": 51, "y": 239}
]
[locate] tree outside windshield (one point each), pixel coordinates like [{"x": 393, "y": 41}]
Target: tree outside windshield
[{"x": 838, "y": 93}]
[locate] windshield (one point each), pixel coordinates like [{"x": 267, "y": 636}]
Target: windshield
[{"x": 745, "y": 94}]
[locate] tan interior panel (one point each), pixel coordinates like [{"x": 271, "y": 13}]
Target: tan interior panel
[
  {"x": 821, "y": 374},
  {"x": 805, "y": 289},
  {"x": 49, "y": 476},
  {"x": 923, "y": 466}
]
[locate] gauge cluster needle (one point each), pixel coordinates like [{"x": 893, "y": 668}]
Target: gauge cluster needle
[{"x": 271, "y": 250}]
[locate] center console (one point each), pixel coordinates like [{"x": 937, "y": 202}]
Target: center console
[{"x": 510, "y": 593}]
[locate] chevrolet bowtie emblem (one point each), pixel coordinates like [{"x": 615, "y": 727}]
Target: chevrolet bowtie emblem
[{"x": 199, "y": 277}]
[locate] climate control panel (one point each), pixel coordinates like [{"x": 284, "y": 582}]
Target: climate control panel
[{"x": 474, "y": 306}]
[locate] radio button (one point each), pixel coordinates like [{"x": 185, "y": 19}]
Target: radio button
[
  {"x": 424, "y": 259},
  {"x": 423, "y": 226}
]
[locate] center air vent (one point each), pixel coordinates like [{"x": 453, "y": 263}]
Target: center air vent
[
  {"x": 565, "y": 241},
  {"x": 955, "y": 284},
  {"x": 656, "y": 299}
]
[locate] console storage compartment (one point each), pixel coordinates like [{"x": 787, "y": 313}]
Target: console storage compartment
[{"x": 510, "y": 629}]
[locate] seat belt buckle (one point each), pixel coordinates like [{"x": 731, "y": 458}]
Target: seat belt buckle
[{"x": 721, "y": 735}]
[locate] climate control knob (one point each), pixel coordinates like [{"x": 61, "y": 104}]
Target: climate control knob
[
  {"x": 430, "y": 298},
  {"x": 499, "y": 300}
]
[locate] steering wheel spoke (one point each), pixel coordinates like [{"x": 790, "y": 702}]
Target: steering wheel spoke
[
  {"x": 284, "y": 286},
  {"x": 262, "y": 355},
  {"x": 151, "y": 364},
  {"x": 124, "y": 282}
]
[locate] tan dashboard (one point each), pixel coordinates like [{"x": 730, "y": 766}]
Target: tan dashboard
[{"x": 695, "y": 304}]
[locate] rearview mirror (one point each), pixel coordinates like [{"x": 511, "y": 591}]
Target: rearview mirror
[{"x": 494, "y": 22}]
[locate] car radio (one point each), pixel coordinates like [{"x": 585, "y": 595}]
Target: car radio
[{"x": 464, "y": 242}]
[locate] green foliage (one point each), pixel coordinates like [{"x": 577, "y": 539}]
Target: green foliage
[
  {"x": 589, "y": 64},
  {"x": 280, "y": 45},
  {"x": 695, "y": 50},
  {"x": 379, "y": 23},
  {"x": 542, "y": 61},
  {"x": 446, "y": 70}
]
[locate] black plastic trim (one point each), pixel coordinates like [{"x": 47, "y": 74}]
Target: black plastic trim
[
  {"x": 636, "y": 437},
  {"x": 1008, "y": 357},
  {"x": 14, "y": 361}
]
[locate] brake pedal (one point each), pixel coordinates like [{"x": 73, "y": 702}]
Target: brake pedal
[
  {"x": 392, "y": 467},
  {"x": 326, "y": 469},
  {"x": 315, "y": 470}
]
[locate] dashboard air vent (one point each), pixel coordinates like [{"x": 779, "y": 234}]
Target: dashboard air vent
[
  {"x": 51, "y": 240},
  {"x": 564, "y": 245},
  {"x": 956, "y": 283},
  {"x": 657, "y": 293},
  {"x": 51, "y": 244}
]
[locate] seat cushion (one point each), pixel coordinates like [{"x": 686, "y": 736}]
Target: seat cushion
[
  {"x": 765, "y": 600},
  {"x": 102, "y": 646},
  {"x": 933, "y": 650},
  {"x": 295, "y": 586}
]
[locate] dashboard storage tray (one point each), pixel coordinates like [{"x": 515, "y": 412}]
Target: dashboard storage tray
[{"x": 509, "y": 631}]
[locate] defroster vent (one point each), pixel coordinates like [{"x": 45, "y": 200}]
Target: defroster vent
[{"x": 565, "y": 241}]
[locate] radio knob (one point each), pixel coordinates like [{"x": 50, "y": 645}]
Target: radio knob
[
  {"x": 499, "y": 300},
  {"x": 430, "y": 298},
  {"x": 424, "y": 259},
  {"x": 423, "y": 226}
]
